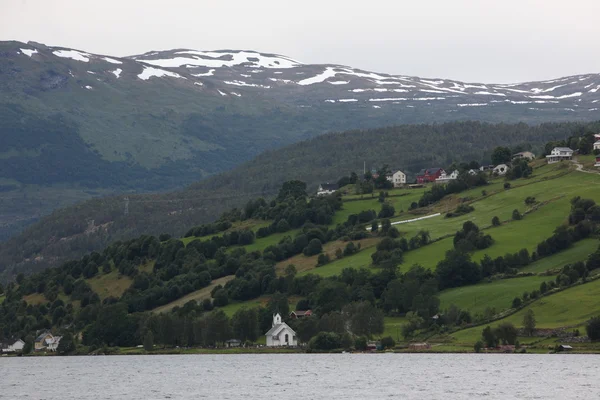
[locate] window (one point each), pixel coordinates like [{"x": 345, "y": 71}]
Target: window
[{"x": 287, "y": 338}]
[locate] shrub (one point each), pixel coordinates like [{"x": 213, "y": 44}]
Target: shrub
[
  {"x": 388, "y": 342},
  {"x": 506, "y": 185},
  {"x": 323, "y": 259},
  {"x": 516, "y": 215},
  {"x": 593, "y": 328},
  {"x": 314, "y": 247},
  {"x": 478, "y": 346},
  {"x": 496, "y": 221},
  {"x": 516, "y": 303}
]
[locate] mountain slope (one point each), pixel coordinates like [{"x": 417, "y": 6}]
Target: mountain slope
[
  {"x": 88, "y": 226},
  {"x": 93, "y": 125}
]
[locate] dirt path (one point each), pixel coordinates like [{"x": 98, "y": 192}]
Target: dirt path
[{"x": 579, "y": 167}]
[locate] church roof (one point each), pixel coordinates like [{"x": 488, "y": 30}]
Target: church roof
[{"x": 278, "y": 328}]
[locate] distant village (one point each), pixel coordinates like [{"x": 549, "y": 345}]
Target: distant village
[{"x": 438, "y": 175}]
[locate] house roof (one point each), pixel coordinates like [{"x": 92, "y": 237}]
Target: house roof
[
  {"x": 329, "y": 186},
  {"x": 42, "y": 336},
  {"x": 434, "y": 170},
  {"x": 274, "y": 331},
  {"x": 563, "y": 149},
  {"x": 302, "y": 313},
  {"x": 421, "y": 172},
  {"x": 233, "y": 341}
]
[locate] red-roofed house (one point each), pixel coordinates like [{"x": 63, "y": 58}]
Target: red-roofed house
[
  {"x": 300, "y": 314},
  {"x": 429, "y": 175}
]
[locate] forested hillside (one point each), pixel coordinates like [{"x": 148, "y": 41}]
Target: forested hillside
[
  {"x": 92, "y": 225},
  {"x": 439, "y": 263}
]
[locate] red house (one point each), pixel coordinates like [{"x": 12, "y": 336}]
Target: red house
[
  {"x": 300, "y": 314},
  {"x": 429, "y": 175}
]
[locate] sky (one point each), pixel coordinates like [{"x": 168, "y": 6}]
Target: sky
[{"x": 491, "y": 41}]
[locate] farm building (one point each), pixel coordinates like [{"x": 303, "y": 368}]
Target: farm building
[
  {"x": 397, "y": 177},
  {"x": 12, "y": 346},
  {"x": 300, "y": 314},
  {"x": 445, "y": 178},
  {"x": 429, "y": 175},
  {"x": 501, "y": 169},
  {"x": 527, "y": 155},
  {"x": 559, "y": 154},
  {"x": 327, "y": 188}
]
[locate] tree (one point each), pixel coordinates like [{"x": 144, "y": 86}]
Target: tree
[
  {"x": 478, "y": 346},
  {"x": 148, "y": 340},
  {"x": 414, "y": 323},
  {"x": 516, "y": 215},
  {"x": 295, "y": 189},
  {"x": 66, "y": 344},
  {"x": 364, "y": 319},
  {"x": 496, "y": 221},
  {"x": 244, "y": 324},
  {"x": 529, "y": 322},
  {"x": 388, "y": 342},
  {"x": 314, "y": 247},
  {"x": 592, "y": 327},
  {"x": 506, "y": 332},
  {"x": 28, "y": 347},
  {"x": 516, "y": 303},
  {"x": 457, "y": 269},
  {"x": 387, "y": 211},
  {"x": 325, "y": 341},
  {"x": 501, "y": 155},
  {"x": 489, "y": 337},
  {"x": 360, "y": 343}
]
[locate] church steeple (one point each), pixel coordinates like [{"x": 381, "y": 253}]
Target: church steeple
[{"x": 276, "y": 319}]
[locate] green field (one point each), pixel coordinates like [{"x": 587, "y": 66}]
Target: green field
[
  {"x": 578, "y": 252},
  {"x": 198, "y": 295},
  {"x": 393, "y": 327},
  {"x": 362, "y": 259},
  {"x": 498, "y": 294},
  {"x": 571, "y": 307}
]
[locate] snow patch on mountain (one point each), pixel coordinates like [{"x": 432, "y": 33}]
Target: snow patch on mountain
[
  {"x": 217, "y": 59},
  {"x": 117, "y": 72},
  {"x": 150, "y": 72},
  {"x": 112, "y": 60},
  {"x": 28, "y": 52},
  {"x": 73, "y": 54},
  {"x": 210, "y": 72}
]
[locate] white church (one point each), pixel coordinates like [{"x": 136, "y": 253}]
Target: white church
[{"x": 280, "y": 334}]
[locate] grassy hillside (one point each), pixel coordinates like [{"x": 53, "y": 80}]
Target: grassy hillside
[
  {"x": 92, "y": 225},
  {"x": 237, "y": 268}
]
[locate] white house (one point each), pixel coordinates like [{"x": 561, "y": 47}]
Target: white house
[
  {"x": 327, "y": 188},
  {"x": 559, "y": 154},
  {"x": 12, "y": 346},
  {"x": 527, "y": 155},
  {"x": 41, "y": 342},
  {"x": 280, "y": 334},
  {"x": 501, "y": 169},
  {"x": 52, "y": 344},
  {"x": 597, "y": 145},
  {"x": 473, "y": 171},
  {"x": 445, "y": 178},
  {"x": 398, "y": 178}
]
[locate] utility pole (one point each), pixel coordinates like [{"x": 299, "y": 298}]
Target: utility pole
[{"x": 126, "y": 211}]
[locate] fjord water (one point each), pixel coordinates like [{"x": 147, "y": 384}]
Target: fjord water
[{"x": 302, "y": 376}]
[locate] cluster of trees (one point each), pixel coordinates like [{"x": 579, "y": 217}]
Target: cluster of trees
[
  {"x": 463, "y": 182},
  {"x": 470, "y": 238}
]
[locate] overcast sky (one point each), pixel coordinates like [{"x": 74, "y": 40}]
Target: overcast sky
[{"x": 493, "y": 41}]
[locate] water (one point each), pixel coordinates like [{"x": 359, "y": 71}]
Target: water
[{"x": 302, "y": 376}]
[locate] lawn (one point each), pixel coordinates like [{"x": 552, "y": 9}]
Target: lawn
[
  {"x": 198, "y": 295},
  {"x": 262, "y": 301},
  {"x": 578, "y": 252},
  {"x": 571, "y": 307},
  {"x": 498, "y": 294},
  {"x": 393, "y": 327},
  {"x": 362, "y": 259},
  {"x": 110, "y": 285}
]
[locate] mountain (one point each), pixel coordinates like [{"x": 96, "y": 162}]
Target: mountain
[
  {"x": 77, "y": 125},
  {"x": 91, "y": 225}
]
